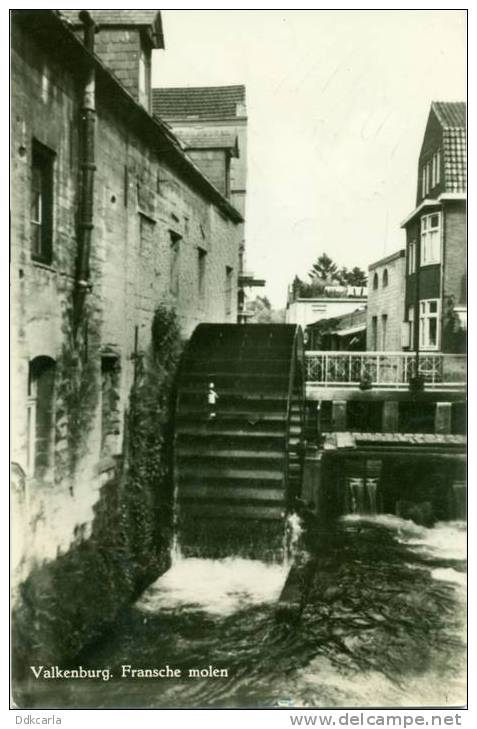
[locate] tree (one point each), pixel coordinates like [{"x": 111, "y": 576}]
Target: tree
[
  {"x": 343, "y": 275},
  {"x": 324, "y": 268},
  {"x": 263, "y": 313},
  {"x": 357, "y": 277}
]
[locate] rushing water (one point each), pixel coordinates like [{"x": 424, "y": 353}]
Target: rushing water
[{"x": 382, "y": 623}]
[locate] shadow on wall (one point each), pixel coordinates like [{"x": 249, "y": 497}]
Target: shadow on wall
[{"x": 66, "y": 604}]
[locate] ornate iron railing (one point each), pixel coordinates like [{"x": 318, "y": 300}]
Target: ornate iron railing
[{"x": 386, "y": 369}]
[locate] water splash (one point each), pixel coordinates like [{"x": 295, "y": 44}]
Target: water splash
[
  {"x": 291, "y": 538},
  {"x": 362, "y": 495},
  {"x": 372, "y": 492},
  {"x": 176, "y": 552},
  {"x": 219, "y": 587}
]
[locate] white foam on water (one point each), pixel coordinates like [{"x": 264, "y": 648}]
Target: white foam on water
[
  {"x": 447, "y": 574},
  {"x": 220, "y": 587},
  {"x": 446, "y": 540},
  {"x": 323, "y": 685},
  {"x": 390, "y": 521}
]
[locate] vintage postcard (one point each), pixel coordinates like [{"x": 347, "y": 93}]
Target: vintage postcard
[{"x": 238, "y": 360}]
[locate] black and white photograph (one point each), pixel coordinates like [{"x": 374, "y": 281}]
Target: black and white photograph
[{"x": 238, "y": 361}]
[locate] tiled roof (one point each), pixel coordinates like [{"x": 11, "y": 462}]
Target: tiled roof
[
  {"x": 455, "y": 159},
  {"x": 343, "y": 321},
  {"x": 199, "y": 102},
  {"x": 450, "y": 113},
  {"x": 123, "y": 18},
  {"x": 452, "y": 118}
]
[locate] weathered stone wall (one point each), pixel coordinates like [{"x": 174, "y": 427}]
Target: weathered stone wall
[{"x": 140, "y": 204}]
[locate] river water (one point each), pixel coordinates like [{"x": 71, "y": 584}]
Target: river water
[{"x": 381, "y": 622}]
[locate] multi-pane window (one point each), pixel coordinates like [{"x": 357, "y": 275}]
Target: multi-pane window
[
  {"x": 436, "y": 168},
  {"x": 41, "y": 382},
  {"x": 431, "y": 173},
  {"x": 426, "y": 178},
  {"x": 41, "y": 203},
  {"x": 429, "y": 323},
  {"x": 411, "y": 257},
  {"x": 430, "y": 239}
]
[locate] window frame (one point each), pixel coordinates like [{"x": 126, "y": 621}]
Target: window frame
[
  {"x": 436, "y": 168},
  {"x": 41, "y": 185},
  {"x": 426, "y": 178},
  {"x": 425, "y": 317},
  {"x": 41, "y": 381},
  {"x": 175, "y": 241},
  {"x": 425, "y": 237}
]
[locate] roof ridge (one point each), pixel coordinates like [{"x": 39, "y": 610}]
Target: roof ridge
[{"x": 446, "y": 109}]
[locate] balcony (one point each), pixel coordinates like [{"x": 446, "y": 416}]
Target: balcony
[{"x": 385, "y": 370}]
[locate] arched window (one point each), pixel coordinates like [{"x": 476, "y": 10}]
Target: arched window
[
  {"x": 41, "y": 387},
  {"x": 385, "y": 277},
  {"x": 375, "y": 281}
]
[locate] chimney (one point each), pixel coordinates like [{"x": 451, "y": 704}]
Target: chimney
[{"x": 124, "y": 42}]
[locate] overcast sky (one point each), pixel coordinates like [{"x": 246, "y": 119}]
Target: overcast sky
[{"x": 337, "y": 104}]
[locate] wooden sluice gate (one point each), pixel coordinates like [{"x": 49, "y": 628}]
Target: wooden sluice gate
[{"x": 238, "y": 450}]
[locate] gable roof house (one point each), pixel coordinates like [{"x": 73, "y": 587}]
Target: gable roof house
[{"x": 435, "y": 293}]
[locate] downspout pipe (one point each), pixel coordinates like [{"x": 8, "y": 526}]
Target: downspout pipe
[{"x": 87, "y": 169}]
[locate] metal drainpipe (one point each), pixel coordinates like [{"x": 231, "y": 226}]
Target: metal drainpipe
[{"x": 87, "y": 170}]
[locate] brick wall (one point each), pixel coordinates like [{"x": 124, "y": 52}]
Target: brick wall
[
  {"x": 386, "y": 301},
  {"x": 455, "y": 251},
  {"x": 455, "y": 273},
  {"x": 139, "y": 199}
]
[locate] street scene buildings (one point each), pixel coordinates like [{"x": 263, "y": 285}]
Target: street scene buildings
[{"x": 159, "y": 409}]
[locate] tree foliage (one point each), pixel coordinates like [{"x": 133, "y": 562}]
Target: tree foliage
[
  {"x": 325, "y": 273},
  {"x": 263, "y": 312},
  {"x": 324, "y": 269}
]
